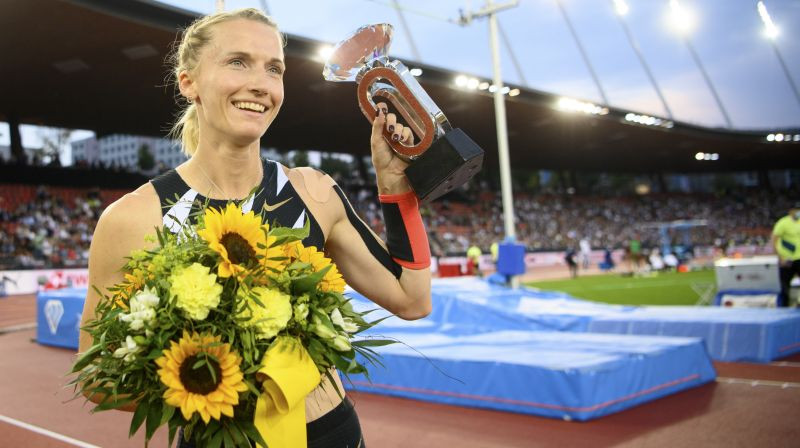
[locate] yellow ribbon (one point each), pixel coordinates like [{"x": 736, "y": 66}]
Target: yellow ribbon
[{"x": 289, "y": 376}]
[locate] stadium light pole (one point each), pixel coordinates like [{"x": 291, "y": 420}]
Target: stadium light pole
[
  {"x": 683, "y": 21},
  {"x": 490, "y": 11},
  {"x": 582, "y": 50},
  {"x": 771, "y": 32},
  {"x": 621, "y": 8}
]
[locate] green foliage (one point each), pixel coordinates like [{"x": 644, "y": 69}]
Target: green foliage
[{"x": 146, "y": 159}]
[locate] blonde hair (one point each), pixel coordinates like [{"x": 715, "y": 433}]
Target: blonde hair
[{"x": 186, "y": 56}]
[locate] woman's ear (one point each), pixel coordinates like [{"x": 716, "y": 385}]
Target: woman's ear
[{"x": 186, "y": 85}]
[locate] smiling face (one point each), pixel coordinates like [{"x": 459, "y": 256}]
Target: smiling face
[{"x": 238, "y": 82}]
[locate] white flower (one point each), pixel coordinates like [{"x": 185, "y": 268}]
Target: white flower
[
  {"x": 142, "y": 309},
  {"x": 320, "y": 329},
  {"x": 345, "y": 323},
  {"x": 145, "y": 299},
  {"x": 340, "y": 343},
  {"x": 128, "y": 350}
]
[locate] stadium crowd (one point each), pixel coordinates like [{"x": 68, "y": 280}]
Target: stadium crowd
[
  {"x": 44, "y": 230},
  {"x": 559, "y": 222},
  {"x": 54, "y": 230}
]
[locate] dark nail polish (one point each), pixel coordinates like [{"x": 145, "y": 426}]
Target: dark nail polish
[
  {"x": 391, "y": 128},
  {"x": 385, "y": 111},
  {"x": 395, "y": 138},
  {"x": 378, "y": 112}
]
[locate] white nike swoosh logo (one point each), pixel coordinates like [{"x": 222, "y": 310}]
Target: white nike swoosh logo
[{"x": 271, "y": 208}]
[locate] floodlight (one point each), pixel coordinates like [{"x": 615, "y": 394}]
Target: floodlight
[
  {"x": 621, "y": 7},
  {"x": 415, "y": 71},
  {"x": 771, "y": 137},
  {"x": 770, "y": 30},
  {"x": 699, "y": 156},
  {"x": 461, "y": 81},
  {"x": 778, "y": 137},
  {"x": 515, "y": 92},
  {"x": 682, "y": 19}
]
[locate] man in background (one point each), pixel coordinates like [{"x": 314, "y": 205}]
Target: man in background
[
  {"x": 474, "y": 260},
  {"x": 786, "y": 240}
]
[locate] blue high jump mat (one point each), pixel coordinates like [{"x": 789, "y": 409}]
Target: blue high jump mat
[
  {"x": 449, "y": 358},
  {"x": 731, "y": 334},
  {"x": 572, "y": 376}
]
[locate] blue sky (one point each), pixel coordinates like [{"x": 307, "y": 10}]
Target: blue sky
[{"x": 728, "y": 36}]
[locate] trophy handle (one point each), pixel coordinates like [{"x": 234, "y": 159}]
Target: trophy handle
[{"x": 406, "y": 104}]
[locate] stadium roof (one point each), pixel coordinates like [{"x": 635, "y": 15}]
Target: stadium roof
[{"x": 99, "y": 65}]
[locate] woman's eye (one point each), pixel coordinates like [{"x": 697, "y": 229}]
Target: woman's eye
[{"x": 237, "y": 63}]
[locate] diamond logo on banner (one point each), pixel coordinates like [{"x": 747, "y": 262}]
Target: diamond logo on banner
[{"x": 53, "y": 310}]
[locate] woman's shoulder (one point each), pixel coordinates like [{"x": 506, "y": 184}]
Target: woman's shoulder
[
  {"x": 316, "y": 183},
  {"x": 135, "y": 212}
]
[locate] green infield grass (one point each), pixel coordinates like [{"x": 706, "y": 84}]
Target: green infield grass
[{"x": 668, "y": 288}]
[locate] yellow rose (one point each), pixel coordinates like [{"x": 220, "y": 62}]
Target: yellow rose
[
  {"x": 196, "y": 290},
  {"x": 272, "y": 317}
]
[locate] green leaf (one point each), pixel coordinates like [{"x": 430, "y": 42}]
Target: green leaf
[
  {"x": 138, "y": 418},
  {"x": 252, "y": 433},
  {"x": 237, "y": 434},
  {"x": 308, "y": 283},
  {"x": 87, "y": 357},
  {"x": 226, "y": 437},
  {"x": 172, "y": 430},
  {"x": 153, "y": 419},
  {"x": 216, "y": 441},
  {"x": 290, "y": 234},
  {"x": 112, "y": 404},
  {"x": 372, "y": 342},
  {"x": 166, "y": 413}
]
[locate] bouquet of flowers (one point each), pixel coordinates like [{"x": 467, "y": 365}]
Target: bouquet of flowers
[{"x": 232, "y": 323}]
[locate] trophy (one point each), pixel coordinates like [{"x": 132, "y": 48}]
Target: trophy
[{"x": 442, "y": 158}]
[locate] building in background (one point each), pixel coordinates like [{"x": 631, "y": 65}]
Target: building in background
[{"x": 123, "y": 151}]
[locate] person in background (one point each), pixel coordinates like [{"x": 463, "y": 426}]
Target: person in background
[
  {"x": 569, "y": 257},
  {"x": 786, "y": 241},
  {"x": 494, "y": 249},
  {"x": 586, "y": 251},
  {"x": 474, "y": 260}
]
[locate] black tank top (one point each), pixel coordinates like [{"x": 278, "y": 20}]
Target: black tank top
[{"x": 276, "y": 200}]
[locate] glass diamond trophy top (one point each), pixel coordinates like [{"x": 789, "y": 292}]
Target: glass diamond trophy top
[{"x": 352, "y": 54}]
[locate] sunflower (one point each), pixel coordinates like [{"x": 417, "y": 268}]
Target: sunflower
[
  {"x": 196, "y": 389},
  {"x": 332, "y": 281},
  {"x": 235, "y": 237}
]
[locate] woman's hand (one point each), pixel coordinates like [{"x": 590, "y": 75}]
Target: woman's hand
[{"x": 389, "y": 168}]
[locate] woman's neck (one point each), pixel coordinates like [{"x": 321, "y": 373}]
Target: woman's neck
[{"x": 225, "y": 171}]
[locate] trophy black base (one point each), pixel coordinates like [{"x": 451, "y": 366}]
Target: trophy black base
[{"x": 450, "y": 162}]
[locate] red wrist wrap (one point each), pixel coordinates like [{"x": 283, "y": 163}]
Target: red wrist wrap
[{"x": 406, "y": 237}]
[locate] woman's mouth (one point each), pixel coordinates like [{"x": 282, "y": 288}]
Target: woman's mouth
[{"x": 249, "y": 106}]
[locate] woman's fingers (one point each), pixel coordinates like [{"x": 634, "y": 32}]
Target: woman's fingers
[
  {"x": 407, "y": 137},
  {"x": 388, "y": 121}
]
